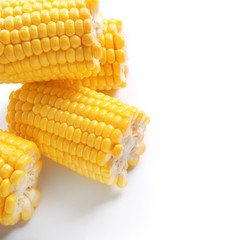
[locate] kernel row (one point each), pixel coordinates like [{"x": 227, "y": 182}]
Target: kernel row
[
  {"x": 63, "y": 145},
  {"x": 25, "y": 15},
  {"x": 11, "y": 34}
]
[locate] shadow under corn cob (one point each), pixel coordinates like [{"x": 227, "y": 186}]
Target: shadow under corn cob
[{"x": 93, "y": 134}]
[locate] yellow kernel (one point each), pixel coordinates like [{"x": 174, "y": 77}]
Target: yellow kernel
[
  {"x": 87, "y": 39},
  {"x": 84, "y": 13},
  {"x": 122, "y": 181},
  {"x": 93, "y": 156},
  {"x": 27, "y": 8},
  {"x": 98, "y": 142},
  {"x": 87, "y": 53},
  {"x": 43, "y": 124},
  {"x": 62, "y": 129},
  {"x": 75, "y": 41},
  {"x": 14, "y": 37},
  {"x": 9, "y": 53},
  {"x": 26, "y": 19},
  {"x": 36, "y": 46},
  {"x": 70, "y": 55},
  {"x": 64, "y": 14},
  {"x": 117, "y": 150},
  {"x": 80, "y": 149},
  {"x": 74, "y": 14},
  {"x": 50, "y": 126},
  {"x": 45, "y": 44},
  {"x": 99, "y": 128},
  {"x": 116, "y": 136},
  {"x": 5, "y": 188},
  {"x": 86, "y": 153},
  {"x": 45, "y": 16},
  {"x": 17, "y": 10},
  {"x": 23, "y": 162},
  {"x": 5, "y": 36},
  {"x": 9, "y": 23},
  {"x": 42, "y": 30},
  {"x": 119, "y": 41},
  {"x": 37, "y": 6},
  {"x": 26, "y": 46},
  {"x": 1, "y": 162},
  {"x": 51, "y": 29},
  {"x": 64, "y": 42},
  {"x": 106, "y": 145},
  {"x": 69, "y": 28},
  {"x": 91, "y": 140},
  {"x": 109, "y": 41},
  {"x": 6, "y": 171},
  {"x": 77, "y": 135},
  {"x": 60, "y": 28},
  {"x": 10, "y": 204},
  {"x": 33, "y": 32},
  {"x": 79, "y": 29},
  {"x": 44, "y": 110},
  {"x": 102, "y": 40},
  {"x": 102, "y": 158},
  {"x": 120, "y": 56},
  {"x": 69, "y": 132},
  {"x": 61, "y": 57},
  {"x": 54, "y": 14},
  {"x": 27, "y": 210},
  {"x": 97, "y": 50},
  {"x": 110, "y": 56},
  {"x": 103, "y": 58},
  {"x": 8, "y": 11},
  {"x": 55, "y": 44},
  {"x": 87, "y": 26},
  {"x": 79, "y": 54},
  {"x": 18, "y": 22},
  {"x": 34, "y": 196},
  {"x": 35, "y": 18}
]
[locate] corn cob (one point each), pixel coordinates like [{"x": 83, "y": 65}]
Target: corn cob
[
  {"x": 113, "y": 64},
  {"x": 42, "y": 40},
  {"x": 19, "y": 170},
  {"x": 89, "y": 132}
]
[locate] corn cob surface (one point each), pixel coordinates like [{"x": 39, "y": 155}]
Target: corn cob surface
[
  {"x": 42, "y": 40},
  {"x": 113, "y": 64},
  {"x": 93, "y": 134},
  {"x": 19, "y": 170}
]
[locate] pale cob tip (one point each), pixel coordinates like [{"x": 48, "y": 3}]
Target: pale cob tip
[
  {"x": 114, "y": 61},
  {"x": 19, "y": 170},
  {"x": 93, "y": 134}
]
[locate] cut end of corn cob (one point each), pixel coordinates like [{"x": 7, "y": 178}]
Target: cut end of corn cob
[
  {"x": 113, "y": 64},
  {"x": 49, "y": 40},
  {"x": 93, "y": 134},
  {"x": 19, "y": 170}
]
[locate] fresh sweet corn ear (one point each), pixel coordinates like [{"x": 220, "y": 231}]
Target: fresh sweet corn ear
[
  {"x": 19, "y": 170},
  {"x": 93, "y": 134},
  {"x": 42, "y": 40},
  {"x": 113, "y": 64}
]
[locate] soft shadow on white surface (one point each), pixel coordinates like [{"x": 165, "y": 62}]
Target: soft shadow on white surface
[
  {"x": 5, "y": 230},
  {"x": 61, "y": 186}
]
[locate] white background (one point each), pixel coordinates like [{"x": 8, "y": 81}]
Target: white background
[{"x": 179, "y": 59}]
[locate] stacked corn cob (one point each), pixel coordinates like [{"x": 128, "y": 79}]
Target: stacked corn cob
[
  {"x": 91, "y": 133},
  {"x": 19, "y": 170},
  {"x": 48, "y": 40}
]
